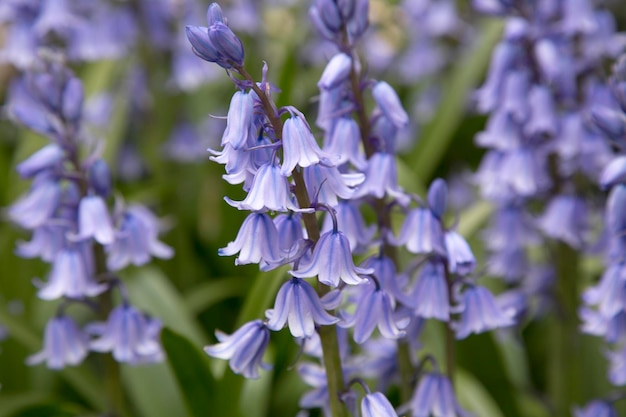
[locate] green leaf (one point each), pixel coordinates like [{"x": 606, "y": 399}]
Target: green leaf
[
  {"x": 195, "y": 380},
  {"x": 10, "y": 404},
  {"x": 152, "y": 390},
  {"x": 49, "y": 410},
  {"x": 472, "y": 219},
  {"x": 150, "y": 290},
  {"x": 207, "y": 294},
  {"x": 474, "y": 397},
  {"x": 437, "y": 134},
  {"x": 261, "y": 295},
  {"x": 82, "y": 381}
]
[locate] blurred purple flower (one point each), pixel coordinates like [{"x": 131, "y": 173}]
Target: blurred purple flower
[{"x": 64, "y": 344}]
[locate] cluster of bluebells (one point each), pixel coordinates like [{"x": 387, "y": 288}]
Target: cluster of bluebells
[
  {"x": 604, "y": 311},
  {"x": 92, "y": 31},
  {"x": 103, "y": 30},
  {"x": 72, "y": 226},
  {"x": 288, "y": 178},
  {"x": 545, "y": 76}
]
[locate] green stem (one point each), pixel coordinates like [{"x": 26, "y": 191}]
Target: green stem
[
  {"x": 328, "y": 334},
  {"x": 405, "y": 364},
  {"x": 564, "y": 378},
  {"x": 116, "y": 403}
]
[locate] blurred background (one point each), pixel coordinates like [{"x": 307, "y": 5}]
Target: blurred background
[{"x": 157, "y": 109}]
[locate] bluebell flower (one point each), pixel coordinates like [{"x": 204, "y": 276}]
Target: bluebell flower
[
  {"x": 94, "y": 220},
  {"x": 374, "y": 308},
  {"x": 389, "y": 103},
  {"x": 617, "y": 366},
  {"x": 514, "y": 95},
  {"x": 256, "y": 241},
  {"x": 610, "y": 293},
  {"x": 337, "y": 71},
  {"x": 359, "y": 21},
  {"x": 385, "y": 273},
  {"x": 46, "y": 158},
  {"x": 299, "y": 146},
  {"x": 226, "y": 43},
  {"x": 71, "y": 275},
  {"x": 512, "y": 264},
  {"x": 501, "y": 133},
  {"x": 612, "y": 329},
  {"x": 612, "y": 122},
  {"x": 37, "y": 207},
  {"x": 437, "y": 197},
  {"x": 314, "y": 376},
  {"x": 326, "y": 184},
  {"x": 72, "y": 101},
  {"x": 326, "y": 17},
  {"x": 429, "y": 298},
  {"x": 344, "y": 139},
  {"x": 461, "y": 260},
  {"x": 332, "y": 103},
  {"x": 511, "y": 228},
  {"x": 332, "y": 262},
  {"x": 435, "y": 397},
  {"x": 578, "y": 17},
  {"x": 379, "y": 361},
  {"x": 64, "y": 344},
  {"x": 479, "y": 312},
  {"x": 46, "y": 242},
  {"x": 377, "y": 405},
  {"x": 421, "y": 233},
  {"x": 615, "y": 215},
  {"x": 136, "y": 240},
  {"x": 240, "y": 126},
  {"x": 130, "y": 335},
  {"x": 20, "y": 45},
  {"x": 55, "y": 17},
  {"x": 543, "y": 119},
  {"x": 565, "y": 219},
  {"x": 214, "y": 14},
  {"x": 351, "y": 222},
  {"x": 217, "y": 43},
  {"x": 269, "y": 191},
  {"x": 503, "y": 58},
  {"x": 596, "y": 408},
  {"x": 237, "y": 164},
  {"x": 243, "y": 349},
  {"x": 381, "y": 178},
  {"x": 384, "y": 134},
  {"x": 202, "y": 46},
  {"x": 298, "y": 304},
  {"x": 99, "y": 176},
  {"x": 289, "y": 228},
  {"x": 614, "y": 173}
]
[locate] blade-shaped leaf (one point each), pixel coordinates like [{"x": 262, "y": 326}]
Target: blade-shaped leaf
[{"x": 193, "y": 374}]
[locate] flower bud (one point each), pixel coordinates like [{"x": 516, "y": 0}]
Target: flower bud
[
  {"x": 612, "y": 123},
  {"x": 100, "y": 178},
  {"x": 214, "y": 14},
  {"x": 227, "y": 44},
  {"x": 437, "y": 197},
  {"x": 201, "y": 45},
  {"x": 72, "y": 100},
  {"x": 389, "y": 103}
]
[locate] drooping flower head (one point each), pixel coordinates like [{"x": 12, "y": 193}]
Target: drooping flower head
[{"x": 243, "y": 349}]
